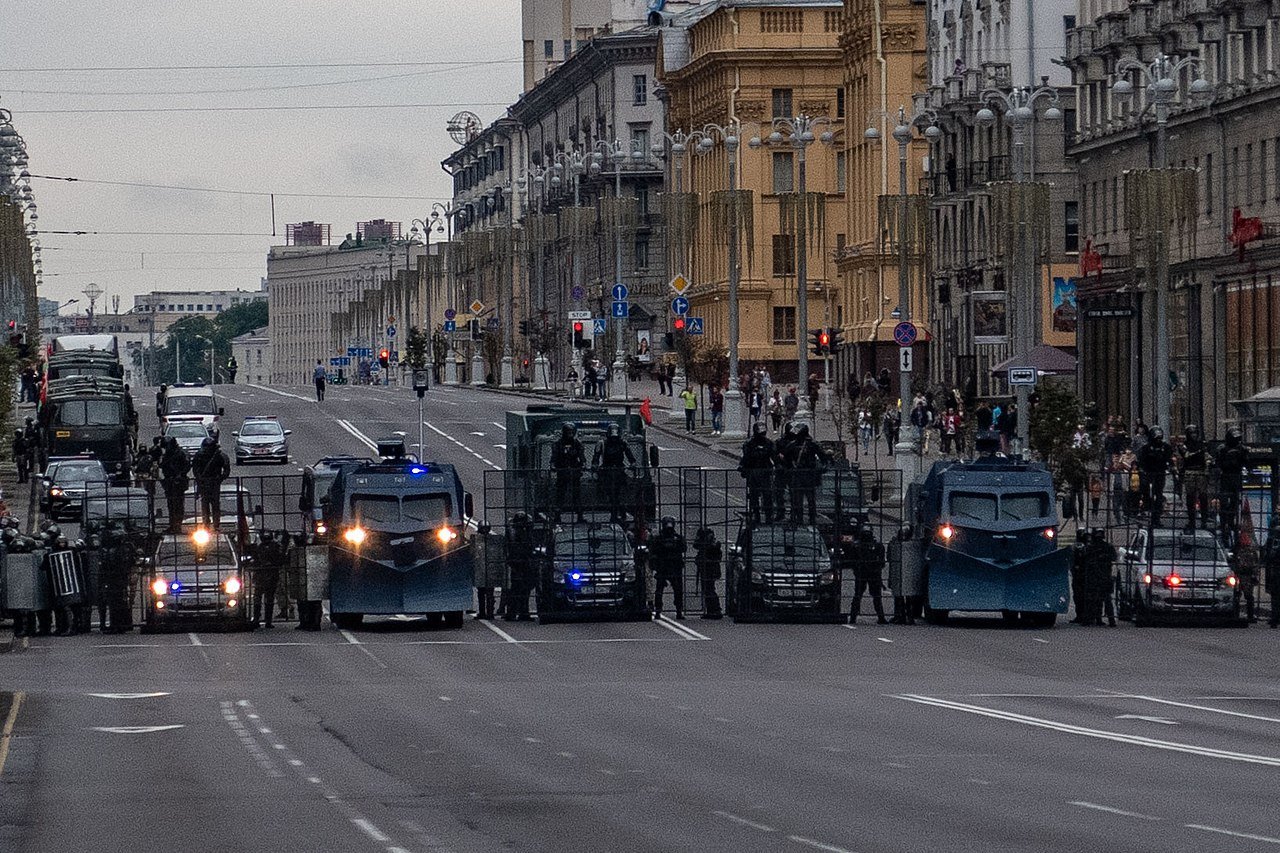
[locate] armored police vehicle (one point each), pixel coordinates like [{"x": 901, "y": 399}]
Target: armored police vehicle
[
  {"x": 590, "y": 570},
  {"x": 399, "y": 542},
  {"x": 1176, "y": 575},
  {"x": 317, "y": 480},
  {"x": 782, "y": 572},
  {"x": 992, "y": 528},
  {"x": 85, "y": 355},
  {"x": 531, "y": 435}
]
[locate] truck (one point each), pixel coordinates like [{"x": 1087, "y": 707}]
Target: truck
[
  {"x": 89, "y": 415},
  {"x": 991, "y": 530},
  {"x": 85, "y": 355}
]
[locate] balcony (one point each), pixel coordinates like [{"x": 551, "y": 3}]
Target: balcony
[
  {"x": 1081, "y": 41},
  {"x": 1113, "y": 30}
]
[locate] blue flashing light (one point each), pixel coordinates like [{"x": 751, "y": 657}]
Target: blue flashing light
[
  {"x": 175, "y": 586},
  {"x": 416, "y": 470},
  {"x": 575, "y": 576}
]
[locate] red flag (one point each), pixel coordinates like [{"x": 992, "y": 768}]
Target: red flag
[{"x": 646, "y": 412}]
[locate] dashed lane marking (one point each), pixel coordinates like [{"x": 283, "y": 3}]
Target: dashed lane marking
[
  {"x": 284, "y": 393},
  {"x": 817, "y": 845},
  {"x": 1111, "y": 810},
  {"x": 448, "y": 437},
  {"x": 1249, "y": 836},
  {"x": 6, "y": 733},
  {"x": 742, "y": 821},
  {"x": 501, "y": 633},
  {"x": 351, "y": 638}
]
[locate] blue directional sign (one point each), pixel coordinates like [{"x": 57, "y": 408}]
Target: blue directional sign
[
  {"x": 621, "y": 310},
  {"x": 695, "y": 326},
  {"x": 599, "y": 325},
  {"x": 352, "y": 351},
  {"x": 680, "y": 305},
  {"x": 905, "y": 334},
  {"x": 360, "y": 352},
  {"x": 619, "y": 292},
  {"x": 450, "y": 314},
  {"x": 450, "y": 325},
  {"x": 391, "y": 331},
  {"x": 578, "y": 292}
]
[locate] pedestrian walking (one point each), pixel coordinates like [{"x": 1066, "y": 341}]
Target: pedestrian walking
[
  {"x": 776, "y": 410},
  {"x": 319, "y": 377},
  {"x": 717, "y": 409},
  {"x": 690, "y": 408},
  {"x": 890, "y": 427},
  {"x": 790, "y": 404},
  {"x": 21, "y": 456}
]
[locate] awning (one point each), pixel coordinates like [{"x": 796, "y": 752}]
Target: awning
[{"x": 1047, "y": 360}]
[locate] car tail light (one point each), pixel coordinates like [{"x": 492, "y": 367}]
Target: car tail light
[
  {"x": 1231, "y": 581},
  {"x": 1049, "y": 533},
  {"x": 1173, "y": 580}
]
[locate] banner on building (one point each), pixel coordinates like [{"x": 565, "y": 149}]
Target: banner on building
[
  {"x": 1059, "y": 298},
  {"x": 990, "y": 317},
  {"x": 643, "y": 344}
]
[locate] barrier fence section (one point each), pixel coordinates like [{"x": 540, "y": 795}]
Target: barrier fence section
[{"x": 796, "y": 531}]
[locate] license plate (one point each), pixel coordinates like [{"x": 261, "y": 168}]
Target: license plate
[
  {"x": 63, "y": 433},
  {"x": 792, "y": 592},
  {"x": 586, "y": 590},
  {"x": 260, "y": 451}
]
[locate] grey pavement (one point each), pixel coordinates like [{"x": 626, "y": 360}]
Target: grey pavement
[{"x": 655, "y": 736}]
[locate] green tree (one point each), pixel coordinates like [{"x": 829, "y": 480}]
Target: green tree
[
  {"x": 415, "y": 348},
  {"x": 192, "y": 336},
  {"x": 1053, "y": 422}
]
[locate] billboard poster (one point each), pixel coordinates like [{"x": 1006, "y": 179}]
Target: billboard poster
[
  {"x": 1059, "y": 328},
  {"x": 643, "y": 344},
  {"x": 990, "y": 317}
]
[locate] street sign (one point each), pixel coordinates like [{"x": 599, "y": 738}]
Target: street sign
[
  {"x": 579, "y": 315},
  {"x": 1022, "y": 376},
  {"x": 391, "y": 331},
  {"x": 450, "y": 325},
  {"x": 360, "y": 352},
  {"x": 450, "y": 314},
  {"x": 492, "y": 323},
  {"x": 476, "y": 307},
  {"x": 906, "y": 361},
  {"x": 679, "y": 284},
  {"x": 620, "y": 310},
  {"x": 905, "y": 334},
  {"x": 598, "y": 325},
  {"x": 680, "y": 305},
  {"x": 619, "y": 292},
  {"x": 578, "y": 292},
  {"x": 695, "y": 326},
  {"x": 395, "y": 356},
  {"x": 421, "y": 378},
  {"x": 352, "y": 351}
]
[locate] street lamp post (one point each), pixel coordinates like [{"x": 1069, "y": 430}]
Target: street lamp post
[
  {"x": 673, "y": 147},
  {"x": 1161, "y": 77},
  {"x": 571, "y": 165},
  {"x": 903, "y": 133},
  {"x": 536, "y": 177},
  {"x": 1019, "y": 109},
  {"x": 797, "y": 132},
  {"x": 616, "y": 152}
]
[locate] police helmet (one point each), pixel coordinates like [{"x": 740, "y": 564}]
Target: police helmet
[
  {"x": 30, "y": 421},
  {"x": 207, "y": 443},
  {"x": 759, "y": 429},
  {"x": 1234, "y": 437},
  {"x": 17, "y": 433},
  {"x": 520, "y": 519},
  {"x": 789, "y": 429},
  {"x": 1156, "y": 433},
  {"x": 61, "y": 542},
  {"x": 614, "y": 431},
  {"x": 865, "y": 533},
  {"x": 905, "y": 530},
  {"x": 568, "y": 430},
  {"x": 668, "y": 522},
  {"x": 1099, "y": 534},
  {"x": 1192, "y": 431},
  {"x": 802, "y": 431}
]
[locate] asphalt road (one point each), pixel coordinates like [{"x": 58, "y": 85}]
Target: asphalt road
[{"x": 700, "y": 736}]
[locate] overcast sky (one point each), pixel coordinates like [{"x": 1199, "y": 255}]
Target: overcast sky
[{"x": 375, "y": 152}]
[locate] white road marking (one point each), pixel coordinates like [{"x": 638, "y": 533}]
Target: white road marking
[
  {"x": 498, "y": 425},
  {"x": 680, "y": 628},
  {"x": 742, "y": 821},
  {"x": 1204, "y": 708},
  {"x": 1161, "y": 720},
  {"x": 884, "y": 639},
  {"x": 195, "y": 641},
  {"x": 137, "y": 730},
  {"x": 1111, "y": 810},
  {"x": 358, "y": 435},
  {"x": 351, "y": 638},
  {"x": 817, "y": 845},
  {"x": 1101, "y": 734},
  {"x": 495, "y": 629},
  {"x": 284, "y": 393},
  {"x": 1040, "y": 640},
  {"x": 478, "y": 433},
  {"x": 448, "y": 437},
  {"x": 127, "y": 695},
  {"x": 1246, "y": 835},
  {"x": 366, "y": 826}
]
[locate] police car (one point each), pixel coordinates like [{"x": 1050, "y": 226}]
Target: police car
[
  {"x": 592, "y": 570},
  {"x": 261, "y": 438},
  {"x": 782, "y": 570},
  {"x": 196, "y": 576}
]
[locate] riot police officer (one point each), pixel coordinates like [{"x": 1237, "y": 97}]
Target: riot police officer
[
  {"x": 210, "y": 467},
  {"x": 1271, "y": 564},
  {"x": 866, "y": 558},
  {"x": 567, "y": 461},
  {"x": 118, "y": 558},
  {"x": 1099, "y": 559},
  {"x": 273, "y": 554},
  {"x": 906, "y": 572},
  {"x": 666, "y": 554},
  {"x": 806, "y": 460},
  {"x": 782, "y": 469},
  {"x": 1154, "y": 459},
  {"x": 707, "y": 557},
  {"x": 521, "y": 560},
  {"x": 610, "y": 461},
  {"x": 174, "y": 468},
  {"x": 1231, "y": 461},
  {"x": 756, "y": 465},
  {"x": 21, "y": 456},
  {"x": 1079, "y": 584},
  {"x": 1193, "y": 465}
]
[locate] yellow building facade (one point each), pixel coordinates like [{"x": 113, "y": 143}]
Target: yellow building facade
[
  {"x": 751, "y": 62},
  {"x": 883, "y": 56}
]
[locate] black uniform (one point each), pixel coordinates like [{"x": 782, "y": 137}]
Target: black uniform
[
  {"x": 567, "y": 461},
  {"x": 522, "y": 562},
  {"x": 756, "y": 465},
  {"x": 1193, "y": 459},
  {"x": 273, "y": 555},
  {"x": 707, "y": 557},
  {"x": 209, "y": 467},
  {"x": 1079, "y": 583},
  {"x": 866, "y": 558},
  {"x": 782, "y": 470},
  {"x": 118, "y": 560},
  {"x": 1099, "y": 559},
  {"x": 21, "y": 456},
  {"x": 611, "y": 459},
  {"x": 666, "y": 555},
  {"x": 1271, "y": 566},
  {"x": 1154, "y": 459},
  {"x": 174, "y": 468},
  {"x": 1232, "y": 460},
  {"x": 806, "y": 460}
]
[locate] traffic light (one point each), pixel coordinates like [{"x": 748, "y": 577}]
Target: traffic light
[
  {"x": 678, "y": 325},
  {"x": 524, "y": 327},
  {"x": 837, "y": 340},
  {"x": 820, "y": 340},
  {"x": 578, "y": 341},
  {"x": 384, "y": 357}
]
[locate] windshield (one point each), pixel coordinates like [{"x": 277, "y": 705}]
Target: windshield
[
  {"x": 201, "y": 404},
  {"x": 430, "y": 509},
  {"x": 578, "y": 543},
  {"x": 1185, "y": 552},
  {"x": 185, "y": 551},
  {"x": 89, "y": 413},
  {"x": 785, "y": 542},
  {"x": 78, "y": 472},
  {"x": 375, "y": 509},
  {"x": 973, "y": 507},
  {"x": 261, "y": 428},
  {"x": 120, "y": 508},
  {"x": 187, "y": 430},
  {"x": 1024, "y": 507}
]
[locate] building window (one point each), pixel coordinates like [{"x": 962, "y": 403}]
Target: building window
[
  {"x": 640, "y": 140},
  {"x": 840, "y": 102},
  {"x": 784, "y": 325},
  {"x": 548, "y": 49},
  {"x": 783, "y": 172},
  {"x": 784, "y": 255},
  {"x": 642, "y": 201},
  {"x": 1071, "y": 226},
  {"x": 568, "y": 48},
  {"x": 642, "y": 253},
  {"x": 1248, "y": 174},
  {"x": 219, "y": 307},
  {"x": 639, "y": 89},
  {"x": 1068, "y": 22},
  {"x": 1208, "y": 184},
  {"x": 842, "y": 172},
  {"x": 841, "y": 241},
  {"x": 782, "y": 103}
]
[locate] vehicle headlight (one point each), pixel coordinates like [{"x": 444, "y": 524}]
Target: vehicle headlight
[
  {"x": 55, "y": 492},
  {"x": 446, "y": 535},
  {"x": 355, "y": 535},
  {"x": 321, "y": 528},
  {"x": 232, "y": 586},
  {"x": 160, "y": 586},
  {"x": 200, "y": 536}
]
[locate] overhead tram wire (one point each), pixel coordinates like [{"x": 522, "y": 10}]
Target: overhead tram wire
[
  {"x": 242, "y": 67},
  {"x": 284, "y": 108},
  {"x": 259, "y": 193}
]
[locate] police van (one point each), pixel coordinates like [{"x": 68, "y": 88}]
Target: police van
[{"x": 191, "y": 401}]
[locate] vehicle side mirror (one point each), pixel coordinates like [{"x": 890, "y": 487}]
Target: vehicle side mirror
[
  {"x": 236, "y": 432},
  {"x": 288, "y": 432},
  {"x": 653, "y": 456},
  {"x": 221, "y": 411},
  {"x": 468, "y": 505},
  {"x": 484, "y": 529}
]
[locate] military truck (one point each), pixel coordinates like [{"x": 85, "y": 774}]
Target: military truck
[{"x": 89, "y": 415}]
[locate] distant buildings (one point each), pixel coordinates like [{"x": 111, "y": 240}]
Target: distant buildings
[
  {"x": 169, "y": 306},
  {"x": 252, "y": 352}
]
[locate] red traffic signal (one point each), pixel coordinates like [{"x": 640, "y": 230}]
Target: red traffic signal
[
  {"x": 384, "y": 357},
  {"x": 679, "y": 324},
  {"x": 824, "y": 339},
  {"x": 577, "y": 326}
]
